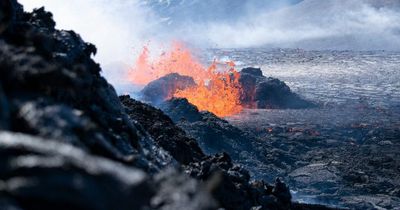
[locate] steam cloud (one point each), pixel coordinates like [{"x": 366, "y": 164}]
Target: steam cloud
[
  {"x": 117, "y": 28},
  {"x": 120, "y": 28},
  {"x": 316, "y": 24}
]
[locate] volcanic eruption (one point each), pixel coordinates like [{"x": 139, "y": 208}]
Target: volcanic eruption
[{"x": 217, "y": 87}]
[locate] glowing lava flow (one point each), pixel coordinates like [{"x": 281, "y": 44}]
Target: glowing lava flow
[{"x": 217, "y": 91}]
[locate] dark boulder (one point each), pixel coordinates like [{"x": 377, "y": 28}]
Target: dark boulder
[
  {"x": 274, "y": 93},
  {"x": 163, "y": 88},
  {"x": 262, "y": 92}
]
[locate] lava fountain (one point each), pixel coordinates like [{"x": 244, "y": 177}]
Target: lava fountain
[{"x": 217, "y": 87}]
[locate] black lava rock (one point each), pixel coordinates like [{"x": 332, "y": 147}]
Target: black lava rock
[
  {"x": 262, "y": 92},
  {"x": 45, "y": 174},
  {"x": 39, "y": 174},
  {"x": 212, "y": 133},
  {"x": 180, "y": 109},
  {"x": 163, "y": 88},
  {"x": 169, "y": 136}
]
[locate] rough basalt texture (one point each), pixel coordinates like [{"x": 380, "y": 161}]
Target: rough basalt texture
[
  {"x": 40, "y": 173},
  {"x": 48, "y": 74}
]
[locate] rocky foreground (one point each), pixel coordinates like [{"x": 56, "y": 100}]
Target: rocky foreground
[{"x": 67, "y": 141}]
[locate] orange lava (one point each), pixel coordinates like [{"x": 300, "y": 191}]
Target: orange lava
[
  {"x": 217, "y": 91},
  {"x": 220, "y": 96},
  {"x": 178, "y": 60}
]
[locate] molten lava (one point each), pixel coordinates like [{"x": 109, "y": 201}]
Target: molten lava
[
  {"x": 217, "y": 90},
  {"x": 178, "y": 60},
  {"x": 220, "y": 96}
]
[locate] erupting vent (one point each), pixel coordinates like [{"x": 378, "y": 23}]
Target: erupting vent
[{"x": 217, "y": 90}]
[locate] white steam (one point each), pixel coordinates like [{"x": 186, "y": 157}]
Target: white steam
[
  {"x": 116, "y": 27},
  {"x": 315, "y": 24},
  {"x": 120, "y": 28}
]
